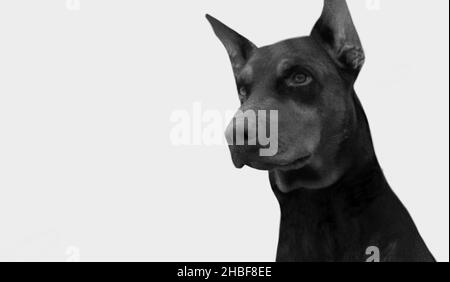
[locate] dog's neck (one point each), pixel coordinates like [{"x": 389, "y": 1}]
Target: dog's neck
[
  {"x": 325, "y": 224},
  {"x": 318, "y": 222}
]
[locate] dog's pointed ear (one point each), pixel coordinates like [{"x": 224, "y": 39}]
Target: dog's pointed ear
[
  {"x": 337, "y": 33},
  {"x": 238, "y": 47}
]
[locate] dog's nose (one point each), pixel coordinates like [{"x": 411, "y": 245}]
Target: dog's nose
[{"x": 252, "y": 135}]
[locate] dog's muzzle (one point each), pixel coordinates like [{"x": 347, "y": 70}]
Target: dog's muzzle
[{"x": 253, "y": 138}]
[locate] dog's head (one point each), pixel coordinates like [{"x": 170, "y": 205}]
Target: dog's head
[{"x": 307, "y": 83}]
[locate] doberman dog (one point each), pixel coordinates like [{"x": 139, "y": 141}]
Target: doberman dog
[{"x": 336, "y": 204}]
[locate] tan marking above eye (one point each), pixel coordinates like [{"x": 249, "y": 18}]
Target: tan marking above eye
[
  {"x": 283, "y": 66},
  {"x": 246, "y": 75}
]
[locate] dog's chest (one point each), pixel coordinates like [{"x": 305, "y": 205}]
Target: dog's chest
[
  {"x": 327, "y": 232},
  {"x": 328, "y": 242}
]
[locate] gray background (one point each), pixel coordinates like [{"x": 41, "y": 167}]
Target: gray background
[{"x": 87, "y": 169}]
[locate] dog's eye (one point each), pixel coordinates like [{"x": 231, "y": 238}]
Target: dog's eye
[
  {"x": 243, "y": 93},
  {"x": 298, "y": 79}
]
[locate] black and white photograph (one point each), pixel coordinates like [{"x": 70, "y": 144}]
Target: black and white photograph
[{"x": 208, "y": 133}]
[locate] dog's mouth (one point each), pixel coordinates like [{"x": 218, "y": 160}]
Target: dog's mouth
[
  {"x": 268, "y": 166},
  {"x": 295, "y": 165}
]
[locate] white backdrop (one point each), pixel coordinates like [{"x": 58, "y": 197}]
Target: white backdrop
[{"x": 87, "y": 88}]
